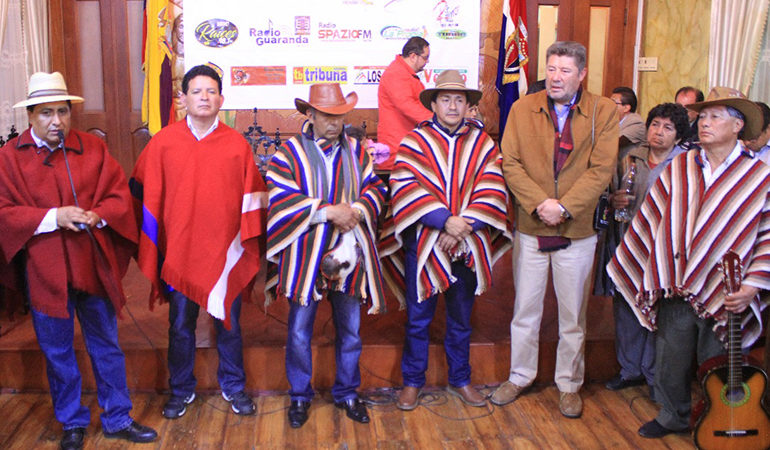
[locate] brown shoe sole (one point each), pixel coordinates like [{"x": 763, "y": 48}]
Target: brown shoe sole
[
  {"x": 457, "y": 393},
  {"x": 410, "y": 406}
]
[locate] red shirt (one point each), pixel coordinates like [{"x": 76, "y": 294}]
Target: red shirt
[{"x": 399, "y": 105}]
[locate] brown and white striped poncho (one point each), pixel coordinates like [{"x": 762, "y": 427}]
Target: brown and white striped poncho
[{"x": 683, "y": 229}]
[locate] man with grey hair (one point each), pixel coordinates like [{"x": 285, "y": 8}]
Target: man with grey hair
[{"x": 559, "y": 151}]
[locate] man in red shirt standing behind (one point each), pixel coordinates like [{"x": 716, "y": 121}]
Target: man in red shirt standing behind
[{"x": 398, "y": 96}]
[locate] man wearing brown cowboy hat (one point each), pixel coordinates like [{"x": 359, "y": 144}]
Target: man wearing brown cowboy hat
[
  {"x": 705, "y": 203},
  {"x": 448, "y": 228},
  {"x": 324, "y": 199},
  {"x": 65, "y": 212}
]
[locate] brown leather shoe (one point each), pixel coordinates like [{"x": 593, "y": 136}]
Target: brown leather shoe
[
  {"x": 468, "y": 394},
  {"x": 570, "y": 404},
  {"x": 409, "y": 398},
  {"x": 506, "y": 393}
]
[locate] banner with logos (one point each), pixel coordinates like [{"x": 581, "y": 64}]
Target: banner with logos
[{"x": 270, "y": 51}]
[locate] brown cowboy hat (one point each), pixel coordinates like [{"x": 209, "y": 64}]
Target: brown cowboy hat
[
  {"x": 327, "y": 98},
  {"x": 47, "y": 88},
  {"x": 725, "y": 96},
  {"x": 449, "y": 80}
]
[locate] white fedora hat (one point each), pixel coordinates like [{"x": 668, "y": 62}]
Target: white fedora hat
[{"x": 47, "y": 88}]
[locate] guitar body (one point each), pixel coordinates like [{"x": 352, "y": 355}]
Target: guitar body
[{"x": 733, "y": 420}]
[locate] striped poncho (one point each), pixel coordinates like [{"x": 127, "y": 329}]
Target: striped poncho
[
  {"x": 460, "y": 173},
  {"x": 297, "y": 188},
  {"x": 682, "y": 231}
]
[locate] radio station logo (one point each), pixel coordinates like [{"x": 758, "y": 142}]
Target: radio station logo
[
  {"x": 274, "y": 36},
  {"x": 368, "y": 75},
  {"x": 431, "y": 75},
  {"x": 330, "y": 33},
  {"x": 216, "y": 33},
  {"x": 396, "y": 32},
  {"x": 447, "y": 12},
  {"x": 451, "y": 34},
  {"x": 320, "y": 74},
  {"x": 258, "y": 75},
  {"x": 302, "y": 25}
]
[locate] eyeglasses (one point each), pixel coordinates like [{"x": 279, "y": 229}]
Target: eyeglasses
[{"x": 425, "y": 57}]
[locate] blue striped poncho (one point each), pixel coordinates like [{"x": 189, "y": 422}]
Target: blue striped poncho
[{"x": 297, "y": 189}]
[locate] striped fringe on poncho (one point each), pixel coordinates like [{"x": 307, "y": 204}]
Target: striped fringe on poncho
[
  {"x": 433, "y": 172},
  {"x": 676, "y": 241},
  {"x": 295, "y": 247}
]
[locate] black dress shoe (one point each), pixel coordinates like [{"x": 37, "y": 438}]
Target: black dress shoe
[
  {"x": 617, "y": 383},
  {"x": 653, "y": 430},
  {"x": 72, "y": 439},
  {"x": 134, "y": 433},
  {"x": 355, "y": 409},
  {"x": 298, "y": 413}
]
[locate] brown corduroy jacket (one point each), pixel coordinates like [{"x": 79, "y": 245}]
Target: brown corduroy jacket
[{"x": 527, "y": 148}]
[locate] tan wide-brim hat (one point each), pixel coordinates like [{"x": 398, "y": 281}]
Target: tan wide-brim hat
[
  {"x": 449, "y": 80},
  {"x": 725, "y": 96},
  {"x": 327, "y": 98},
  {"x": 47, "y": 88}
]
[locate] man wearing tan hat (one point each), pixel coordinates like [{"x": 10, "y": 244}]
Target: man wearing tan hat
[
  {"x": 705, "y": 203},
  {"x": 65, "y": 212},
  {"x": 200, "y": 207},
  {"x": 322, "y": 218},
  {"x": 448, "y": 227}
]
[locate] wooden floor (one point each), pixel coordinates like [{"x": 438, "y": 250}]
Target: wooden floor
[{"x": 610, "y": 420}]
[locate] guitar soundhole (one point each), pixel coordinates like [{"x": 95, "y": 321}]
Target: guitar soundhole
[{"x": 735, "y": 397}]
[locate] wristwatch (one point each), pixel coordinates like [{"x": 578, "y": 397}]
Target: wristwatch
[{"x": 564, "y": 213}]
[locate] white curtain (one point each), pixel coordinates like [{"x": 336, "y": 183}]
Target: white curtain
[
  {"x": 736, "y": 35},
  {"x": 13, "y": 68},
  {"x": 760, "y": 88},
  {"x": 36, "y": 35},
  {"x": 3, "y": 17}
]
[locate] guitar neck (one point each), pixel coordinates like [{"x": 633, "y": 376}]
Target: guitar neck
[{"x": 734, "y": 355}]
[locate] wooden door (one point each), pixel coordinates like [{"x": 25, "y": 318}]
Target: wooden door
[
  {"x": 96, "y": 45},
  {"x": 606, "y": 27}
]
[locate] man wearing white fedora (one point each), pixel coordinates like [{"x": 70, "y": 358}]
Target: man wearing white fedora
[
  {"x": 68, "y": 234},
  {"x": 448, "y": 229},
  {"x": 322, "y": 218}
]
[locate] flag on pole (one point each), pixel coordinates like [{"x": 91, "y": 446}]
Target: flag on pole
[
  {"x": 512, "y": 62},
  {"x": 157, "y": 97}
]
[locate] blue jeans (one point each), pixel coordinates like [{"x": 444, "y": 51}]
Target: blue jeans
[
  {"x": 634, "y": 344},
  {"x": 346, "y": 313},
  {"x": 100, "y": 333},
  {"x": 459, "y": 300},
  {"x": 182, "y": 318}
]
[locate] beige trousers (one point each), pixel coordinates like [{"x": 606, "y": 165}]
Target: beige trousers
[{"x": 571, "y": 270}]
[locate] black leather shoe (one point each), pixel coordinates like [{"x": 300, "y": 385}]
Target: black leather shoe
[
  {"x": 653, "y": 430},
  {"x": 617, "y": 383},
  {"x": 355, "y": 409},
  {"x": 72, "y": 439},
  {"x": 134, "y": 433},
  {"x": 298, "y": 413}
]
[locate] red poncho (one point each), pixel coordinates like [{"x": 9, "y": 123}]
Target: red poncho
[
  {"x": 28, "y": 189},
  {"x": 201, "y": 209}
]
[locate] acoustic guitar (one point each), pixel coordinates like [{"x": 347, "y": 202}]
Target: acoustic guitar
[{"x": 735, "y": 416}]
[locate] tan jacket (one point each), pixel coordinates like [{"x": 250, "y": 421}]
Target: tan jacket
[{"x": 527, "y": 147}]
